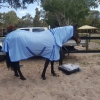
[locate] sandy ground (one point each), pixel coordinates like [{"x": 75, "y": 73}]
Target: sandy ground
[{"x": 84, "y": 85}]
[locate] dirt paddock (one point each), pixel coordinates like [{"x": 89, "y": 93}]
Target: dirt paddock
[{"x": 84, "y": 85}]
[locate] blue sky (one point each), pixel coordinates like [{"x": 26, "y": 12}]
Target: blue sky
[
  {"x": 97, "y": 8},
  {"x": 21, "y": 12},
  {"x": 30, "y": 9}
]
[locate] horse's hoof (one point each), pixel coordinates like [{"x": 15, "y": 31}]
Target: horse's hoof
[
  {"x": 43, "y": 77},
  {"x": 22, "y": 78},
  {"x": 16, "y": 75},
  {"x": 54, "y": 74}
]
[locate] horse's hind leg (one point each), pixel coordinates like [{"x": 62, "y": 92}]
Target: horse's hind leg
[
  {"x": 15, "y": 71},
  {"x": 13, "y": 67},
  {"x": 52, "y": 68},
  {"x": 17, "y": 67},
  {"x": 45, "y": 67},
  {"x": 21, "y": 75}
]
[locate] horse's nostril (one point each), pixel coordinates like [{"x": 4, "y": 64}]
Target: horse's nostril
[{"x": 79, "y": 40}]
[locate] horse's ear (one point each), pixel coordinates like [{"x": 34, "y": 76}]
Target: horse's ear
[{"x": 75, "y": 25}]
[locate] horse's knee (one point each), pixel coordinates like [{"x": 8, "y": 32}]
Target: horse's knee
[{"x": 47, "y": 62}]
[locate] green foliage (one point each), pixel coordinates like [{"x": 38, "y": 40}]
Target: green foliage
[
  {"x": 95, "y": 18},
  {"x": 22, "y": 3},
  {"x": 27, "y": 20},
  {"x": 68, "y": 11},
  {"x": 10, "y": 18},
  {"x": 18, "y": 3},
  {"x": 1, "y": 19},
  {"x": 55, "y": 13},
  {"x": 50, "y": 19},
  {"x": 92, "y": 19},
  {"x": 36, "y": 21}
]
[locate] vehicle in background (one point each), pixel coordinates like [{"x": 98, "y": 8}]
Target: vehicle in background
[
  {"x": 34, "y": 29},
  {"x": 3, "y": 33}
]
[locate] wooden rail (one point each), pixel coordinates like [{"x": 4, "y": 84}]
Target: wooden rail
[{"x": 63, "y": 52}]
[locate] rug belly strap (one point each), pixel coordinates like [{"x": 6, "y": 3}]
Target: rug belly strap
[{"x": 34, "y": 53}]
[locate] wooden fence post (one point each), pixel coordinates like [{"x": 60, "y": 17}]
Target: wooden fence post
[{"x": 87, "y": 42}]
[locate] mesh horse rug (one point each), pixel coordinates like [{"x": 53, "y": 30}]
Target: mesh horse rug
[{"x": 22, "y": 44}]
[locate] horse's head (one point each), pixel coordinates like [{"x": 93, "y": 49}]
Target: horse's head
[
  {"x": 10, "y": 28},
  {"x": 76, "y": 35}
]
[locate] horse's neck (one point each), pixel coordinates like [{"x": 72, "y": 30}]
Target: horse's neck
[{"x": 62, "y": 34}]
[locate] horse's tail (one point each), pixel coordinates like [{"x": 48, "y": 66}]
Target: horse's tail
[
  {"x": 8, "y": 62},
  {"x": 9, "y": 28}
]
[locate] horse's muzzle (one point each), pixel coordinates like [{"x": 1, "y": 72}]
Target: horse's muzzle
[{"x": 78, "y": 40}]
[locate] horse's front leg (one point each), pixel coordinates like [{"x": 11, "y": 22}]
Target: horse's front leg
[
  {"x": 45, "y": 67},
  {"x": 61, "y": 59},
  {"x": 52, "y": 68}
]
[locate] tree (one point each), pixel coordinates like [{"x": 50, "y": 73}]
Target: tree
[
  {"x": 68, "y": 11},
  {"x": 18, "y": 3},
  {"x": 50, "y": 19},
  {"x": 28, "y": 20},
  {"x": 10, "y": 18},
  {"x": 36, "y": 20},
  {"x": 22, "y": 3},
  {"x": 93, "y": 19},
  {"x": 20, "y": 23},
  {"x": 1, "y": 19},
  {"x": 96, "y": 18}
]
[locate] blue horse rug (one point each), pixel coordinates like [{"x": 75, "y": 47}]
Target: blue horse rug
[{"x": 22, "y": 44}]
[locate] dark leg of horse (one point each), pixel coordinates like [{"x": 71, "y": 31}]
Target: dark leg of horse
[
  {"x": 8, "y": 62},
  {"x": 60, "y": 60},
  {"x": 52, "y": 68},
  {"x": 14, "y": 68},
  {"x": 17, "y": 70},
  {"x": 45, "y": 67}
]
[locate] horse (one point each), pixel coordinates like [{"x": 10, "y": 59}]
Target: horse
[{"x": 20, "y": 45}]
